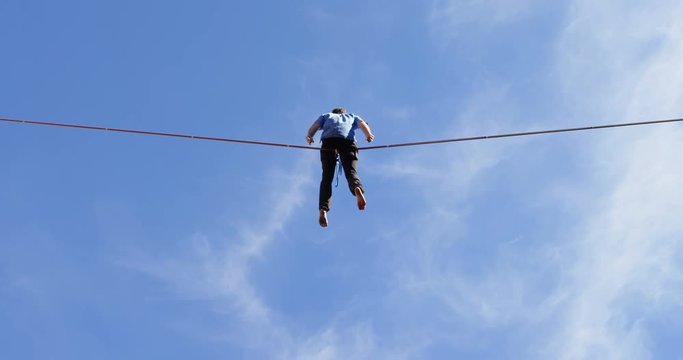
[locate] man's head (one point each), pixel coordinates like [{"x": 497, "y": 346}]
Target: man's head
[{"x": 339, "y": 110}]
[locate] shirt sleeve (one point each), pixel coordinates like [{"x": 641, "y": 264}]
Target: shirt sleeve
[
  {"x": 320, "y": 121},
  {"x": 356, "y": 121}
]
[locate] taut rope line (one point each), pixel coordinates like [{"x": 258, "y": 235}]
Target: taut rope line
[{"x": 263, "y": 143}]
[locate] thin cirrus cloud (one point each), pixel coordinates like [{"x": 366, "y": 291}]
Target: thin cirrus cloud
[
  {"x": 623, "y": 254},
  {"x": 626, "y": 268},
  {"x": 217, "y": 271},
  {"x": 623, "y": 242},
  {"x": 450, "y": 15}
]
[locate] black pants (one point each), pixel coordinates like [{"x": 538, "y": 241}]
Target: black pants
[{"x": 348, "y": 154}]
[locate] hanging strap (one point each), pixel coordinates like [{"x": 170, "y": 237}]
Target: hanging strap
[{"x": 339, "y": 170}]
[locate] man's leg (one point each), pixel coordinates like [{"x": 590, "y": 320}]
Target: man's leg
[
  {"x": 349, "y": 160},
  {"x": 328, "y": 160}
]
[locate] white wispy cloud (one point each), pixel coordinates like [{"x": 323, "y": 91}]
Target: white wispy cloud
[
  {"x": 355, "y": 342},
  {"x": 620, "y": 264},
  {"x": 464, "y": 162},
  {"x": 628, "y": 255},
  {"x": 426, "y": 272},
  {"x": 450, "y": 16},
  {"x": 620, "y": 60},
  {"x": 216, "y": 271},
  {"x": 583, "y": 295}
]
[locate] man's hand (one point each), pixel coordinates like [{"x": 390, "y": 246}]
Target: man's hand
[
  {"x": 369, "y": 137},
  {"x": 309, "y": 140}
]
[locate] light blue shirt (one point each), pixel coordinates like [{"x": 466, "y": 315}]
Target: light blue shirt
[{"x": 338, "y": 125}]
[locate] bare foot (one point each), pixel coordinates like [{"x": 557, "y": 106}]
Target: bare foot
[
  {"x": 360, "y": 199},
  {"x": 322, "y": 219}
]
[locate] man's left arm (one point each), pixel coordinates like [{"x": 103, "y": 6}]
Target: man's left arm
[
  {"x": 366, "y": 130},
  {"x": 311, "y": 131}
]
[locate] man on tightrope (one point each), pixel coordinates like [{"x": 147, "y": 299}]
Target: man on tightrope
[{"x": 338, "y": 137}]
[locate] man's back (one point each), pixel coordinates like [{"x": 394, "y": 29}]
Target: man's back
[{"x": 338, "y": 125}]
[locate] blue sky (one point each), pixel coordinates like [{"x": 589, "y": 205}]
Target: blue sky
[{"x": 116, "y": 246}]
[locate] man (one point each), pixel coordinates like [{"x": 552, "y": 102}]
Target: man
[{"x": 338, "y": 137}]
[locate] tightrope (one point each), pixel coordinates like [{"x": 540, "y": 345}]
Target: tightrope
[
  {"x": 155, "y": 133},
  {"x": 526, "y": 133},
  {"x": 263, "y": 143}
]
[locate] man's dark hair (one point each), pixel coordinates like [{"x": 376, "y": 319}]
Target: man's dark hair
[{"x": 339, "y": 110}]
